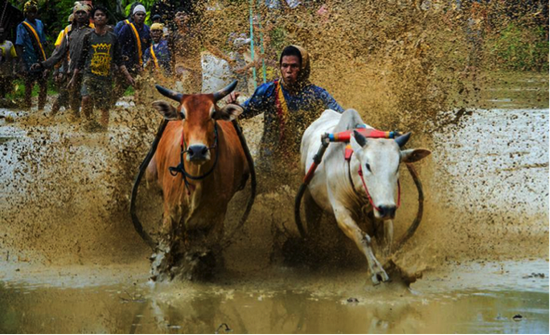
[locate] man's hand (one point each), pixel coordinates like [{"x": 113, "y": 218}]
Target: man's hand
[
  {"x": 46, "y": 74},
  {"x": 131, "y": 80},
  {"x": 71, "y": 83},
  {"x": 232, "y": 97},
  {"x": 36, "y": 67},
  {"x": 58, "y": 78}
]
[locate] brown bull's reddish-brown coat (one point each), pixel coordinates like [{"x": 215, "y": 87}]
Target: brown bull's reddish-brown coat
[{"x": 205, "y": 206}]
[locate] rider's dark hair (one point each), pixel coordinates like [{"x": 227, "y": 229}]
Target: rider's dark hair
[
  {"x": 290, "y": 51},
  {"x": 101, "y": 8}
]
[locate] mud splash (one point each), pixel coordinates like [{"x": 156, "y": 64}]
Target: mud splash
[{"x": 71, "y": 261}]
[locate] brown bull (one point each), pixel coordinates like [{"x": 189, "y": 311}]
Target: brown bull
[{"x": 199, "y": 165}]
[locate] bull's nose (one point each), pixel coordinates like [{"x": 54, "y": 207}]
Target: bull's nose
[
  {"x": 197, "y": 153},
  {"x": 387, "y": 211}
]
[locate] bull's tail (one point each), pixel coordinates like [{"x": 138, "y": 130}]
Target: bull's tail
[{"x": 142, "y": 168}]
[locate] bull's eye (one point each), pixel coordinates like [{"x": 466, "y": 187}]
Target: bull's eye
[{"x": 368, "y": 167}]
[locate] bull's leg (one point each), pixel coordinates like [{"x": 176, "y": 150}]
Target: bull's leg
[
  {"x": 168, "y": 224},
  {"x": 363, "y": 242}
]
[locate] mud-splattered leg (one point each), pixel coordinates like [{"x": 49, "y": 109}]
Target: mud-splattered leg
[
  {"x": 162, "y": 259},
  {"x": 362, "y": 240}
]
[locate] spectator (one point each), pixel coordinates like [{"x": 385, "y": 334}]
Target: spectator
[
  {"x": 71, "y": 45},
  {"x": 158, "y": 19},
  {"x": 30, "y": 45},
  {"x": 101, "y": 51},
  {"x": 157, "y": 56},
  {"x": 134, "y": 39},
  {"x": 126, "y": 21},
  {"x": 60, "y": 72},
  {"x": 7, "y": 64}
]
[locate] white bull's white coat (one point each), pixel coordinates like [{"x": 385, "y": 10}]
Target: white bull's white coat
[{"x": 332, "y": 190}]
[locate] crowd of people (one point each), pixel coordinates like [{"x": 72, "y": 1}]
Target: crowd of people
[
  {"x": 90, "y": 57},
  {"x": 93, "y": 64}
]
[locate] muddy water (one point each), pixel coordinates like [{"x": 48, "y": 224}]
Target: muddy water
[{"x": 509, "y": 297}]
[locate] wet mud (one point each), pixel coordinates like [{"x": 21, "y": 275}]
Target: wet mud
[{"x": 71, "y": 260}]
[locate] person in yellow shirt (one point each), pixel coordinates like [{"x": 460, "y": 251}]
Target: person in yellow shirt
[{"x": 7, "y": 64}]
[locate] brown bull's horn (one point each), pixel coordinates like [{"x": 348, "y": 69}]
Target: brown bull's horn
[
  {"x": 403, "y": 139},
  {"x": 169, "y": 93},
  {"x": 225, "y": 91}
]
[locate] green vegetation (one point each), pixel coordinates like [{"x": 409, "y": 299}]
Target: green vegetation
[{"x": 520, "y": 48}]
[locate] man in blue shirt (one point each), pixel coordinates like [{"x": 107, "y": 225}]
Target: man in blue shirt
[
  {"x": 157, "y": 56},
  {"x": 134, "y": 38},
  {"x": 290, "y": 104},
  {"x": 31, "y": 46}
]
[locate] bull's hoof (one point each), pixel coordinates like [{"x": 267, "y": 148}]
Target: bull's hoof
[{"x": 380, "y": 276}]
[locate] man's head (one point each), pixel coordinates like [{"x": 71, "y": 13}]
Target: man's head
[
  {"x": 31, "y": 10},
  {"x": 100, "y": 16},
  {"x": 156, "y": 18},
  {"x": 156, "y": 32},
  {"x": 2, "y": 34},
  {"x": 290, "y": 64},
  {"x": 139, "y": 14},
  {"x": 181, "y": 18},
  {"x": 81, "y": 12}
]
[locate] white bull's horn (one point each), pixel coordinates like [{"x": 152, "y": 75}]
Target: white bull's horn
[
  {"x": 403, "y": 139},
  {"x": 169, "y": 93},
  {"x": 225, "y": 91}
]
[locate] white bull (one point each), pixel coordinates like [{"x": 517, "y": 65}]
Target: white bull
[{"x": 338, "y": 187}]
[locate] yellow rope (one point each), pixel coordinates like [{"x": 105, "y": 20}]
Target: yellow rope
[
  {"x": 37, "y": 38},
  {"x": 138, "y": 43}
]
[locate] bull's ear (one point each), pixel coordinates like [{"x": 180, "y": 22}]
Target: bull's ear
[
  {"x": 414, "y": 155},
  {"x": 229, "y": 112},
  {"x": 168, "y": 111},
  {"x": 357, "y": 141}
]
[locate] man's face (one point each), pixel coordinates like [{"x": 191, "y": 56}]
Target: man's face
[
  {"x": 290, "y": 68},
  {"x": 139, "y": 17},
  {"x": 31, "y": 14},
  {"x": 100, "y": 19},
  {"x": 156, "y": 35},
  {"x": 181, "y": 19},
  {"x": 81, "y": 16}
]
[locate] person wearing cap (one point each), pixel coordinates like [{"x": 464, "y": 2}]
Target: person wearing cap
[
  {"x": 129, "y": 19},
  {"x": 158, "y": 19},
  {"x": 31, "y": 44},
  {"x": 290, "y": 104},
  {"x": 134, "y": 38},
  {"x": 157, "y": 56},
  {"x": 71, "y": 45}
]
